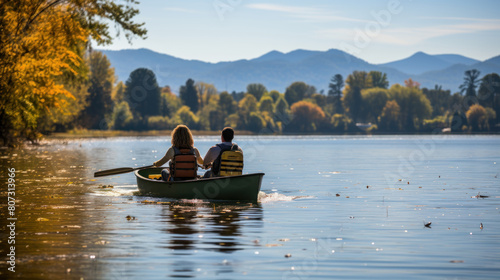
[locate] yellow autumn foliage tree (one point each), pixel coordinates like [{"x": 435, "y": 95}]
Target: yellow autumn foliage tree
[{"x": 42, "y": 45}]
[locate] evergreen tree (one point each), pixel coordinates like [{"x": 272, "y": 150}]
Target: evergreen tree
[
  {"x": 335, "y": 92},
  {"x": 142, "y": 93},
  {"x": 189, "y": 95}
]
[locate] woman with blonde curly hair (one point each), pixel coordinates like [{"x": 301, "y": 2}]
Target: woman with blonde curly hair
[{"x": 182, "y": 144}]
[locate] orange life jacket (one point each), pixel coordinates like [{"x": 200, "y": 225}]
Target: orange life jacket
[{"x": 184, "y": 165}]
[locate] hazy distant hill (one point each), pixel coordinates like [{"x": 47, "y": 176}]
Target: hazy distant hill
[
  {"x": 421, "y": 62},
  {"x": 277, "y": 70}
]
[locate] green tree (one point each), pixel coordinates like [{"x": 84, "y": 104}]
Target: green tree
[
  {"x": 379, "y": 79},
  {"x": 266, "y": 104},
  {"x": 274, "y": 95},
  {"x": 298, "y": 91},
  {"x": 374, "y": 101},
  {"x": 246, "y": 107},
  {"x": 256, "y": 90},
  {"x": 282, "y": 112},
  {"x": 414, "y": 106},
  {"x": 159, "y": 123},
  {"x": 122, "y": 118},
  {"x": 216, "y": 119},
  {"x": 189, "y": 95},
  {"x": 227, "y": 104},
  {"x": 458, "y": 121},
  {"x": 143, "y": 94},
  {"x": 118, "y": 94},
  {"x": 204, "y": 113},
  {"x": 318, "y": 99},
  {"x": 248, "y": 104},
  {"x": 352, "y": 99},
  {"x": 205, "y": 92},
  {"x": 489, "y": 93},
  {"x": 185, "y": 116},
  {"x": 255, "y": 122},
  {"x": 471, "y": 81},
  {"x": 389, "y": 119},
  {"x": 99, "y": 103},
  {"x": 440, "y": 100},
  {"x": 42, "y": 48},
  {"x": 335, "y": 93},
  {"x": 169, "y": 102}
]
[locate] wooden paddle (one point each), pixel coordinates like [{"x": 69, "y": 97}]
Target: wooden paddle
[{"x": 118, "y": 171}]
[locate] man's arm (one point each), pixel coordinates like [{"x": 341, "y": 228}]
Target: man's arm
[{"x": 211, "y": 156}]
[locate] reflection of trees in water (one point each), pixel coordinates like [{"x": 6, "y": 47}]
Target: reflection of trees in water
[{"x": 212, "y": 226}]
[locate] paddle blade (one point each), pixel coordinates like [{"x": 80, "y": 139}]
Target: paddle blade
[{"x": 113, "y": 171}]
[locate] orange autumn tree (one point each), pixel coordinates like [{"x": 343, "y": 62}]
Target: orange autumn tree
[
  {"x": 42, "y": 45},
  {"x": 307, "y": 117}
]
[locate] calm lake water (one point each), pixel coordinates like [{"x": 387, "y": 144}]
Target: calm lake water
[{"x": 331, "y": 207}]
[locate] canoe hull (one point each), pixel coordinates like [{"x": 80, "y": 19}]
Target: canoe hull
[{"x": 242, "y": 187}]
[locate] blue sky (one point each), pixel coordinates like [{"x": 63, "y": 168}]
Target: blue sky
[{"x": 373, "y": 30}]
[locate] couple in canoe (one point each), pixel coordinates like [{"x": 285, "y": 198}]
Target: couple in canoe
[{"x": 184, "y": 157}]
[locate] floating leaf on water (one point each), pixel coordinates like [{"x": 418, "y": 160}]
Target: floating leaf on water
[
  {"x": 273, "y": 245},
  {"x": 337, "y": 195},
  {"x": 457, "y": 261}
]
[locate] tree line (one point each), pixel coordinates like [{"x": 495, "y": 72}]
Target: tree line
[{"x": 363, "y": 100}]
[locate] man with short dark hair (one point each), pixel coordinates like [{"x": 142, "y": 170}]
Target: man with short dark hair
[{"x": 212, "y": 158}]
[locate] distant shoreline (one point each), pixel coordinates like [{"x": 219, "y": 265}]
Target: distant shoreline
[{"x": 119, "y": 133}]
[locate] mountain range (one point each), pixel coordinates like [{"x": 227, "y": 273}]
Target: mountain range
[{"x": 277, "y": 70}]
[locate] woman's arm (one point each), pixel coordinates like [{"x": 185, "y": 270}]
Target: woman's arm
[
  {"x": 198, "y": 156},
  {"x": 168, "y": 156}
]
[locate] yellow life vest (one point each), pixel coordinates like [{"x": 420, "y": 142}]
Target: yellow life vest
[{"x": 231, "y": 161}]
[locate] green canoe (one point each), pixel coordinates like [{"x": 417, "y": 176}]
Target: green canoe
[{"x": 242, "y": 187}]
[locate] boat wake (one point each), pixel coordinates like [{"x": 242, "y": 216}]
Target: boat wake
[
  {"x": 131, "y": 190},
  {"x": 124, "y": 190},
  {"x": 274, "y": 196}
]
